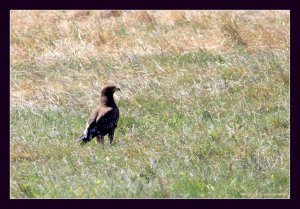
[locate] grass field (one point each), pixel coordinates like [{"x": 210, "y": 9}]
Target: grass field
[{"x": 204, "y": 107}]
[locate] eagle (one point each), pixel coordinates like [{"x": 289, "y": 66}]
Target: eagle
[{"x": 104, "y": 118}]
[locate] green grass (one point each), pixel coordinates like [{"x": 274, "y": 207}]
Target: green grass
[{"x": 198, "y": 124}]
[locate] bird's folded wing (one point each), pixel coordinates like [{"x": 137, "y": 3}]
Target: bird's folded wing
[
  {"x": 103, "y": 112},
  {"x": 97, "y": 114},
  {"x": 92, "y": 117}
]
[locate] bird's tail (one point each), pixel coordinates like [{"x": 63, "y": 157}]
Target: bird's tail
[{"x": 83, "y": 139}]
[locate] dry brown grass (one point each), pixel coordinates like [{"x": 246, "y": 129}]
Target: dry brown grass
[
  {"x": 96, "y": 32},
  {"x": 23, "y": 152},
  {"x": 46, "y": 38}
]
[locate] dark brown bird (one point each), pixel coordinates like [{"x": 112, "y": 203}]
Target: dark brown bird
[{"x": 104, "y": 118}]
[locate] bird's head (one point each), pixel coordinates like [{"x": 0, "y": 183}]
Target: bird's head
[{"x": 109, "y": 89}]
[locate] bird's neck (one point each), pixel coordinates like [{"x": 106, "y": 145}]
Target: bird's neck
[{"x": 107, "y": 100}]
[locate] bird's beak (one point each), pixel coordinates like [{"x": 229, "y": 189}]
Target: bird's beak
[{"x": 118, "y": 89}]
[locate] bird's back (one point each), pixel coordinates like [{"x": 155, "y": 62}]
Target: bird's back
[{"x": 109, "y": 120}]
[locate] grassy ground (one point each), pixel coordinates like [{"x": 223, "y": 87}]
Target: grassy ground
[{"x": 204, "y": 104}]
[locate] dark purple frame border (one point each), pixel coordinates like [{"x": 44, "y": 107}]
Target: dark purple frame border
[{"x": 5, "y": 8}]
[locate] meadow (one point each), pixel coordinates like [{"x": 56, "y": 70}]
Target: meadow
[{"x": 204, "y": 106}]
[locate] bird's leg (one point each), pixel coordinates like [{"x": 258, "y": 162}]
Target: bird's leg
[
  {"x": 100, "y": 139},
  {"x": 111, "y": 137}
]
